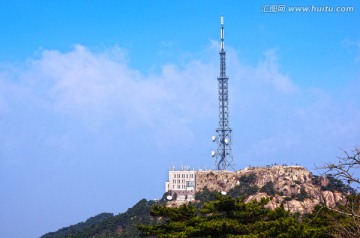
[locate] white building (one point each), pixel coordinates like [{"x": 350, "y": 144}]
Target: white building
[{"x": 182, "y": 183}]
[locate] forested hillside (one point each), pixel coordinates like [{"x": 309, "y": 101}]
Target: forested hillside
[
  {"x": 108, "y": 225},
  {"x": 213, "y": 214}
]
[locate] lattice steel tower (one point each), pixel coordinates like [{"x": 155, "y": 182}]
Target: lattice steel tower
[{"x": 223, "y": 154}]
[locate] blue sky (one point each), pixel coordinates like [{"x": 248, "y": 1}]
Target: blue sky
[{"x": 98, "y": 99}]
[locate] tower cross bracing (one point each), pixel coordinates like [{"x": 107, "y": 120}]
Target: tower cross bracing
[{"x": 223, "y": 155}]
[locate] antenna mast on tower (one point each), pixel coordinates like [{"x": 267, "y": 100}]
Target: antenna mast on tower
[{"x": 223, "y": 154}]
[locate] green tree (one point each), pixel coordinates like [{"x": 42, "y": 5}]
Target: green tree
[
  {"x": 229, "y": 217},
  {"x": 205, "y": 195}
]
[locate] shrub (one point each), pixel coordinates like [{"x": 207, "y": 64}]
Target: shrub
[
  {"x": 297, "y": 182},
  {"x": 248, "y": 179},
  {"x": 268, "y": 188},
  {"x": 337, "y": 185},
  {"x": 205, "y": 195}
]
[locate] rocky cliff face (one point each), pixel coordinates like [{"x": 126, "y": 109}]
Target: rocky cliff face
[{"x": 294, "y": 186}]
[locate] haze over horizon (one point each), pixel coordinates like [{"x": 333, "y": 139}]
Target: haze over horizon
[{"x": 98, "y": 99}]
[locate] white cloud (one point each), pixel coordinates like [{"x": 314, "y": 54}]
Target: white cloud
[
  {"x": 266, "y": 73},
  {"x": 98, "y": 87},
  {"x": 268, "y": 111},
  {"x": 274, "y": 120}
]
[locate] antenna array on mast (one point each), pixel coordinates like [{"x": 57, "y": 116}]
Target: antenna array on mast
[{"x": 223, "y": 154}]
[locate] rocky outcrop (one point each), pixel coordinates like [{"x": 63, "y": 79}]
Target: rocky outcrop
[
  {"x": 293, "y": 186},
  {"x": 287, "y": 179}
]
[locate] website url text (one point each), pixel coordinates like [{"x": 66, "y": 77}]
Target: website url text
[{"x": 280, "y": 8}]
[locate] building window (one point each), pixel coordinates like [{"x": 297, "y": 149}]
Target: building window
[
  {"x": 190, "y": 184},
  {"x": 187, "y": 176}
]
